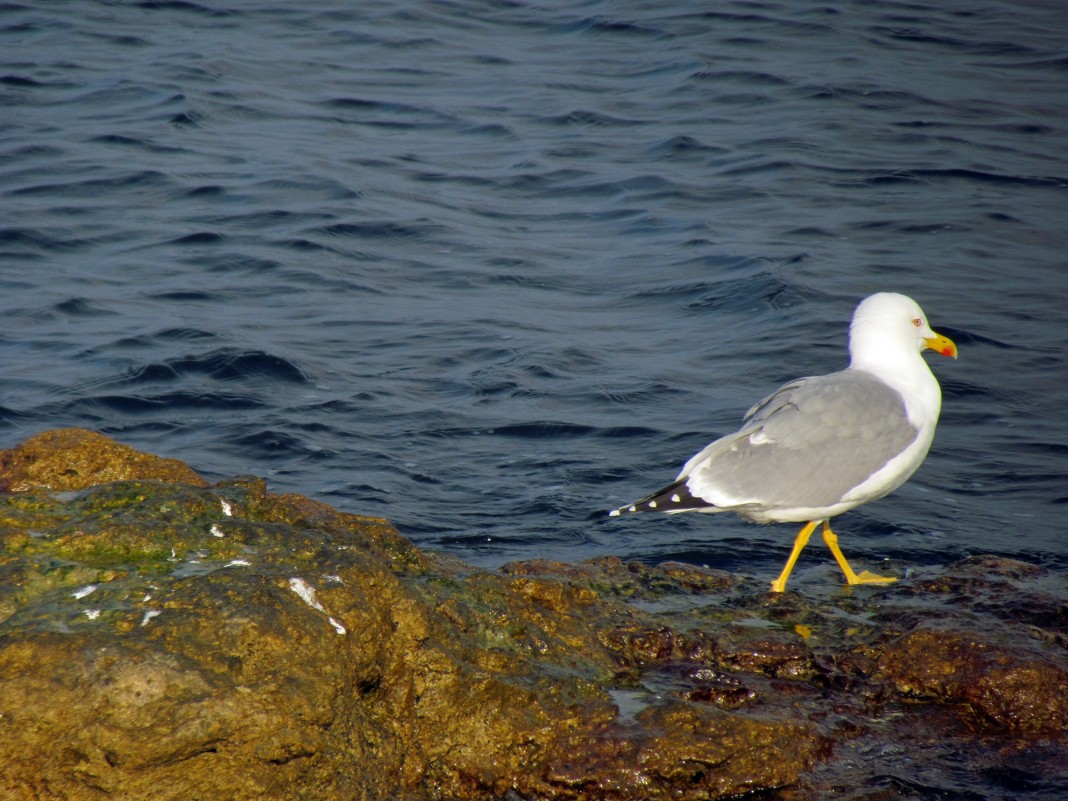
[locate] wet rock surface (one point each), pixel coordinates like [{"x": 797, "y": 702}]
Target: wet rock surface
[{"x": 162, "y": 638}]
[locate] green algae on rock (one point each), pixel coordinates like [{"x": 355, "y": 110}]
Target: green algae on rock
[{"x": 162, "y": 638}]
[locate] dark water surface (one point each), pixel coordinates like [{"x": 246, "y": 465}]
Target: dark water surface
[{"x": 490, "y": 269}]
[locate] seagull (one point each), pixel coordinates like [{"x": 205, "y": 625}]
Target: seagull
[{"x": 822, "y": 445}]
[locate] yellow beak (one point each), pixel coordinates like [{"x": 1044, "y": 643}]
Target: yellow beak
[{"x": 943, "y": 345}]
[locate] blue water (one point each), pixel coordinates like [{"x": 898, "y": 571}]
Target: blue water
[{"x": 490, "y": 269}]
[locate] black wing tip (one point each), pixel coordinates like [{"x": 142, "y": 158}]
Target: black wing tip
[{"x": 672, "y": 498}]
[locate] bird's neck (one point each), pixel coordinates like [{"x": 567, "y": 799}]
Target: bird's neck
[{"x": 907, "y": 372}]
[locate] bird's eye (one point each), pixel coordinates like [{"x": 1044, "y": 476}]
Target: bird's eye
[{"x": 917, "y": 322}]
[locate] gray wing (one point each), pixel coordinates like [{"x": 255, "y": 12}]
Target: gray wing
[{"x": 806, "y": 445}]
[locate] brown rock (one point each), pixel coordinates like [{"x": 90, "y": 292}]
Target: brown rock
[
  {"x": 686, "y": 751},
  {"x": 1018, "y": 687},
  {"x": 171, "y": 640},
  {"x": 165, "y": 639},
  {"x": 73, "y": 458}
]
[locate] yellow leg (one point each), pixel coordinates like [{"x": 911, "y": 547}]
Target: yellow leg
[
  {"x": 779, "y": 585},
  {"x": 865, "y": 577}
]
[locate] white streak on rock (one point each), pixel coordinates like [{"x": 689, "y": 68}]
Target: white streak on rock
[
  {"x": 149, "y": 614},
  {"x": 307, "y": 594}
]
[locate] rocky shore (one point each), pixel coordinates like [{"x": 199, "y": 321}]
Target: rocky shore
[{"x": 166, "y": 638}]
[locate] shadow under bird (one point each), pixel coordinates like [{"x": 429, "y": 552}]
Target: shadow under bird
[{"x": 819, "y": 446}]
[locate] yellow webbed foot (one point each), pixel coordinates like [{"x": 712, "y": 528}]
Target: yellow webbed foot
[
  {"x": 864, "y": 577},
  {"x": 870, "y": 578}
]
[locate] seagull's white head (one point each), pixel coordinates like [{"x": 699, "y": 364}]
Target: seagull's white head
[{"x": 887, "y": 326}]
